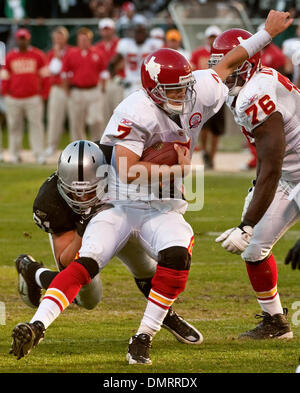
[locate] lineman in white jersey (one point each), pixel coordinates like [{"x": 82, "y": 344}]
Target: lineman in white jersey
[
  {"x": 171, "y": 88},
  {"x": 132, "y": 52},
  {"x": 266, "y": 105}
]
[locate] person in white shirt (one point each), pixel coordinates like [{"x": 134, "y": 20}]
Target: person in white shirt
[{"x": 131, "y": 52}]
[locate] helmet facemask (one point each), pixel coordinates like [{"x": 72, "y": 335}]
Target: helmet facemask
[
  {"x": 242, "y": 73},
  {"x": 173, "y": 105},
  {"x": 82, "y": 196}
]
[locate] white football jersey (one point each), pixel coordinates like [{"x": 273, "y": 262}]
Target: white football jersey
[
  {"x": 137, "y": 123},
  {"x": 134, "y": 54},
  {"x": 265, "y": 93}
]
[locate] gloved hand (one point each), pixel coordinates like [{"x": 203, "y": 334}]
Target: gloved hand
[
  {"x": 293, "y": 256},
  {"x": 236, "y": 240}
]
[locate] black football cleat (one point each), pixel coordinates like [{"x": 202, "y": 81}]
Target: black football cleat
[
  {"x": 182, "y": 330},
  {"x": 138, "y": 349},
  {"x": 28, "y": 289},
  {"x": 275, "y": 326},
  {"x": 25, "y": 337}
]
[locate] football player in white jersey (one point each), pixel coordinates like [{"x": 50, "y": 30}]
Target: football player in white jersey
[
  {"x": 266, "y": 105},
  {"x": 65, "y": 220},
  {"x": 171, "y": 108},
  {"x": 131, "y": 52}
]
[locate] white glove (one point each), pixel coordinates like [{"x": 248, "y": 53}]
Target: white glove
[{"x": 236, "y": 240}]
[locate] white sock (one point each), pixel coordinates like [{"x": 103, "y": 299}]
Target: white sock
[
  {"x": 47, "y": 312},
  {"x": 152, "y": 319},
  {"x": 272, "y": 307},
  {"x": 146, "y": 330}
]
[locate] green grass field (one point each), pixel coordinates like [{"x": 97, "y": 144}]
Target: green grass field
[{"x": 218, "y": 298}]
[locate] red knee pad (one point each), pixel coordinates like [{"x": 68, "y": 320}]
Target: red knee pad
[
  {"x": 66, "y": 285},
  {"x": 169, "y": 282},
  {"x": 263, "y": 277}
]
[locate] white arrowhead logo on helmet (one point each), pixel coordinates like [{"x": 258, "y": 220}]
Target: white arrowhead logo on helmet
[{"x": 153, "y": 68}]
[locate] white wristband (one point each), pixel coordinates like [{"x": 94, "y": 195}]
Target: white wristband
[{"x": 257, "y": 42}]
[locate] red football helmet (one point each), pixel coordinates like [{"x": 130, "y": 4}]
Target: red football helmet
[
  {"x": 226, "y": 41},
  {"x": 166, "y": 70}
]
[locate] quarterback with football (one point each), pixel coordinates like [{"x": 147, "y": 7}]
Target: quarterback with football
[
  {"x": 63, "y": 207},
  {"x": 266, "y": 105},
  {"x": 171, "y": 107}
]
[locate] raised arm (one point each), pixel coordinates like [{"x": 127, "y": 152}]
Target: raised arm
[{"x": 276, "y": 23}]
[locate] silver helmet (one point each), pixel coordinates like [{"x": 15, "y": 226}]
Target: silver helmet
[{"x": 77, "y": 180}]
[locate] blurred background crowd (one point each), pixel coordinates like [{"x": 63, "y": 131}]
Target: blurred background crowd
[{"x": 69, "y": 63}]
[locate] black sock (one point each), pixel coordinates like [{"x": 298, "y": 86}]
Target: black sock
[
  {"x": 46, "y": 277},
  {"x": 144, "y": 285}
]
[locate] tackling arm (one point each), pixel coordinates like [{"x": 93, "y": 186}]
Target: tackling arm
[{"x": 66, "y": 245}]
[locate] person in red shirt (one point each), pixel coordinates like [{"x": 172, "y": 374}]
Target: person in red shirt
[
  {"x": 200, "y": 56},
  {"x": 216, "y": 125},
  {"x": 57, "y": 98},
  {"x": 22, "y": 82},
  {"x": 109, "y": 40},
  {"x": 272, "y": 56},
  {"x": 112, "y": 89},
  {"x": 81, "y": 71}
]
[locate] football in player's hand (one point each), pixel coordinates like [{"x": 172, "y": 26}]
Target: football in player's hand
[{"x": 161, "y": 153}]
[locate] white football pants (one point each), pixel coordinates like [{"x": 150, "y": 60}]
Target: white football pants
[
  {"x": 280, "y": 216},
  {"x": 109, "y": 231},
  {"x": 134, "y": 236}
]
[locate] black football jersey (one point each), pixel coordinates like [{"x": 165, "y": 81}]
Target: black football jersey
[{"x": 50, "y": 211}]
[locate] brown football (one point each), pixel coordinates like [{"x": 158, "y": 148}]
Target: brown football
[{"x": 161, "y": 153}]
